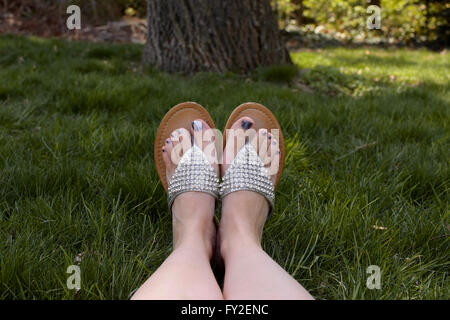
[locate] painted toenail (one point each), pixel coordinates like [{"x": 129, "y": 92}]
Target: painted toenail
[
  {"x": 246, "y": 124},
  {"x": 197, "y": 125}
]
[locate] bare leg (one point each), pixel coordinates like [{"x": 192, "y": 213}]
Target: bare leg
[
  {"x": 249, "y": 272},
  {"x": 186, "y": 273}
]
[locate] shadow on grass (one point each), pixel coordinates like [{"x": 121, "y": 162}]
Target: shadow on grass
[{"x": 18, "y": 50}]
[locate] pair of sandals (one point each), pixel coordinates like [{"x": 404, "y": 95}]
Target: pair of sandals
[{"x": 195, "y": 172}]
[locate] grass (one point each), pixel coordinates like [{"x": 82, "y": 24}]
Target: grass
[{"x": 366, "y": 178}]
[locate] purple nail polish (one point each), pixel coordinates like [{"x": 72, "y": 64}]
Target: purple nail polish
[
  {"x": 246, "y": 124},
  {"x": 197, "y": 125}
]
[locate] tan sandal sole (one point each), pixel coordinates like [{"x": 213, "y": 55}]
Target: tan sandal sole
[
  {"x": 179, "y": 116},
  {"x": 263, "y": 118}
]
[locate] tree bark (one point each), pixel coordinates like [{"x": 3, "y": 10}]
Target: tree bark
[{"x": 189, "y": 36}]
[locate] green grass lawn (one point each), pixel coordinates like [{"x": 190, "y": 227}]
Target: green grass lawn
[{"x": 366, "y": 179}]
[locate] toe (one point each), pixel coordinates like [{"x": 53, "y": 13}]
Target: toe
[
  {"x": 168, "y": 147},
  {"x": 272, "y": 145},
  {"x": 274, "y": 164},
  {"x": 206, "y": 138},
  {"x": 181, "y": 140},
  {"x": 240, "y": 132},
  {"x": 175, "y": 146},
  {"x": 262, "y": 145},
  {"x": 167, "y": 161},
  {"x": 200, "y": 130},
  {"x": 268, "y": 151},
  {"x": 244, "y": 123},
  {"x": 273, "y": 156},
  {"x": 166, "y": 154}
]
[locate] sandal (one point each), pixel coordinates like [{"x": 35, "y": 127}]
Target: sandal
[
  {"x": 247, "y": 171},
  {"x": 194, "y": 172}
]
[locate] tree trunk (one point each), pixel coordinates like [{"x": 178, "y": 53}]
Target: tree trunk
[{"x": 207, "y": 35}]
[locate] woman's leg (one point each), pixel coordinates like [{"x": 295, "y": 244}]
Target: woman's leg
[
  {"x": 250, "y": 273},
  {"x": 186, "y": 273}
]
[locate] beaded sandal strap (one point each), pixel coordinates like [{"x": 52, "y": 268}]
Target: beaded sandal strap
[
  {"x": 247, "y": 172},
  {"x": 193, "y": 173}
]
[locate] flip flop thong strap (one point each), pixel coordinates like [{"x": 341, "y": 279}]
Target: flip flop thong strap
[
  {"x": 193, "y": 173},
  {"x": 247, "y": 172}
]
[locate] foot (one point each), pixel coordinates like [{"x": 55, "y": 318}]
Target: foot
[
  {"x": 245, "y": 212},
  {"x": 192, "y": 212}
]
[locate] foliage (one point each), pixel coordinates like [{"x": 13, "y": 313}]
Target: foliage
[
  {"x": 283, "y": 10},
  {"x": 409, "y": 21},
  {"x": 95, "y": 11}
]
